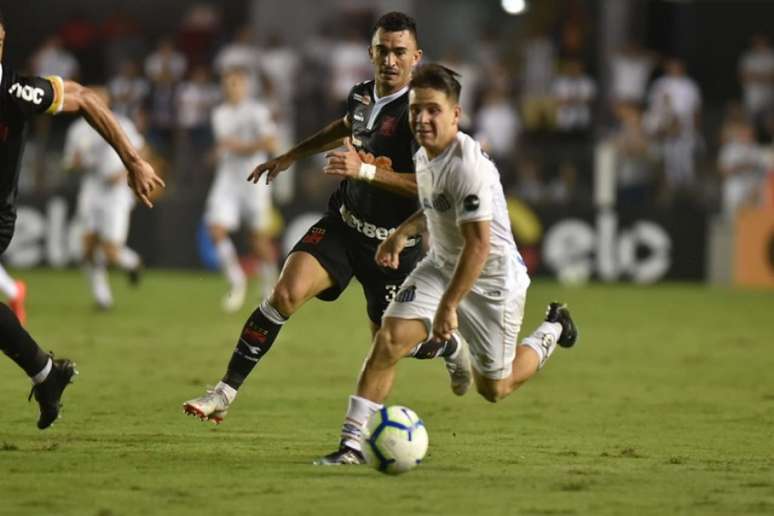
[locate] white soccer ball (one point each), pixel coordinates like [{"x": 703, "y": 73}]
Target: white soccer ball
[{"x": 394, "y": 440}]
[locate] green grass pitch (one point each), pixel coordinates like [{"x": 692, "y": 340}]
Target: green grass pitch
[{"x": 666, "y": 406}]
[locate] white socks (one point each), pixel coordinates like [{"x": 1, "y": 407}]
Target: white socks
[
  {"x": 229, "y": 263},
  {"x": 360, "y": 409},
  {"x": 543, "y": 340},
  {"x": 228, "y": 391},
  {"x": 98, "y": 280},
  {"x": 43, "y": 374},
  {"x": 128, "y": 260},
  {"x": 8, "y": 284}
]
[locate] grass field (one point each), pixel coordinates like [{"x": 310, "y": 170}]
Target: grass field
[{"x": 666, "y": 406}]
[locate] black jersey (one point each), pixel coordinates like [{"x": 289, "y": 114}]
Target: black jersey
[
  {"x": 20, "y": 98},
  {"x": 387, "y": 134}
]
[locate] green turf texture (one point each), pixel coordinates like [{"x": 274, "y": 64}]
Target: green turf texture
[{"x": 666, "y": 406}]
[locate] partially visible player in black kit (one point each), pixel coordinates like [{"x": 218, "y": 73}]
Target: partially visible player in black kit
[
  {"x": 371, "y": 201},
  {"x": 20, "y": 99}
]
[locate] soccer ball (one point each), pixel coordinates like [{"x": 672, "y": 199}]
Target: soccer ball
[{"x": 394, "y": 440}]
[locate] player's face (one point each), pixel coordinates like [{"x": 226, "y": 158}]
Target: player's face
[
  {"x": 434, "y": 119},
  {"x": 394, "y": 55},
  {"x": 2, "y": 40},
  {"x": 235, "y": 87}
]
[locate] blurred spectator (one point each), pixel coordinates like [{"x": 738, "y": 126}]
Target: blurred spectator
[
  {"x": 122, "y": 37},
  {"x": 162, "y": 112},
  {"x": 165, "y": 64},
  {"x": 574, "y": 92},
  {"x": 53, "y": 59},
  {"x": 497, "y": 127},
  {"x": 129, "y": 89},
  {"x": 564, "y": 188},
  {"x": 81, "y": 36},
  {"x": 635, "y": 157},
  {"x": 756, "y": 73},
  {"x": 470, "y": 76},
  {"x": 529, "y": 185},
  {"x": 280, "y": 64},
  {"x": 196, "y": 99},
  {"x": 673, "y": 117},
  {"x": 734, "y": 115},
  {"x": 538, "y": 74},
  {"x": 349, "y": 64},
  {"x": 198, "y": 29},
  {"x": 743, "y": 166},
  {"x": 240, "y": 53},
  {"x": 630, "y": 70}
]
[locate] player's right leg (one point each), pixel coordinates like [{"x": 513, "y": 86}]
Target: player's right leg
[
  {"x": 392, "y": 342},
  {"x": 49, "y": 376},
  {"x": 302, "y": 278}
]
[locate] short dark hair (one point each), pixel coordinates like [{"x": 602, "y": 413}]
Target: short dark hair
[
  {"x": 437, "y": 77},
  {"x": 396, "y": 22}
]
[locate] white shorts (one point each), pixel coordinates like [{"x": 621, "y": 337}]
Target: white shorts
[
  {"x": 489, "y": 316},
  {"x": 106, "y": 212},
  {"x": 230, "y": 200}
]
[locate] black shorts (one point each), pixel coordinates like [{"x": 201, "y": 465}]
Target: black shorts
[{"x": 344, "y": 253}]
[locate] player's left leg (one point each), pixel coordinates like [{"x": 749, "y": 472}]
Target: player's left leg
[
  {"x": 16, "y": 293},
  {"x": 391, "y": 343},
  {"x": 49, "y": 376},
  {"x": 95, "y": 269},
  {"x": 532, "y": 354}
]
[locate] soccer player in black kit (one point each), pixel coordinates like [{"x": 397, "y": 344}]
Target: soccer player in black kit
[
  {"x": 370, "y": 202},
  {"x": 21, "y": 98}
]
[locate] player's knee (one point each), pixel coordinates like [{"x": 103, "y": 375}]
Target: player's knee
[
  {"x": 493, "y": 392},
  {"x": 286, "y": 299},
  {"x": 387, "y": 347}
]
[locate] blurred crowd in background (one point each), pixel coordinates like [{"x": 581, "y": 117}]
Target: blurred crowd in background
[{"x": 534, "y": 103}]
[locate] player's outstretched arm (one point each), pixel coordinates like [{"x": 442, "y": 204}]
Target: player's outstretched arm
[
  {"x": 475, "y": 251},
  {"x": 388, "y": 252},
  {"x": 318, "y": 142},
  {"x": 378, "y": 171},
  {"x": 81, "y": 100}
]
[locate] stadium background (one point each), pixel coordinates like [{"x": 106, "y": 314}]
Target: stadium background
[
  {"x": 576, "y": 213},
  {"x": 666, "y": 405}
]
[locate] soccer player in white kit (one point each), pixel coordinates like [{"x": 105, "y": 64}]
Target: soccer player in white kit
[
  {"x": 105, "y": 203},
  {"x": 473, "y": 280},
  {"x": 244, "y": 134}
]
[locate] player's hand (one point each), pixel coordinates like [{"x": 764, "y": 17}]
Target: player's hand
[
  {"x": 388, "y": 252},
  {"x": 445, "y": 321},
  {"x": 272, "y": 168},
  {"x": 344, "y": 163},
  {"x": 143, "y": 180}
]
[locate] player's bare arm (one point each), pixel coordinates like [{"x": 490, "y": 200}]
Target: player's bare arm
[
  {"x": 318, "y": 142},
  {"x": 348, "y": 163},
  {"x": 142, "y": 178},
  {"x": 472, "y": 259},
  {"x": 249, "y": 147},
  {"x": 388, "y": 252}
]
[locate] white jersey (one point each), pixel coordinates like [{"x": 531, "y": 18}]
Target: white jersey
[
  {"x": 248, "y": 120},
  {"x": 104, "y": 204},
  {"x": 462, "y": 185}
]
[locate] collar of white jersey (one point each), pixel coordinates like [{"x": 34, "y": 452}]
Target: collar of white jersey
[
  {"x": 448, "y": 150},
  {"x": 1, "y": 72}
]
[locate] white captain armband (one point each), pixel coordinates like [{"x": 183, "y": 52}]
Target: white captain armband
[{"x": 367, "y": 172}]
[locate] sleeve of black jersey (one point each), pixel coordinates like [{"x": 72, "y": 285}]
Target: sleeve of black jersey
[
  {"x": 35, "y": 95},
  {"x": 351, "y": 102}
]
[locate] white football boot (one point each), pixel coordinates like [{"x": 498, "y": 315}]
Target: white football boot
[
  {"x": 213, "y": 406},
  {"x": 459, "y": 368}
]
